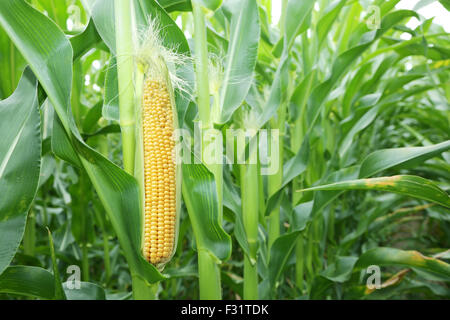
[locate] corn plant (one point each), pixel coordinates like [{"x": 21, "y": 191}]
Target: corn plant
[{"x": 201, "y": 149}]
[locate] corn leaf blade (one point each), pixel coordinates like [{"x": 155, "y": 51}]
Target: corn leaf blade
[
  {"x": 20, "y": 162},
  {"x": 413, "y": 186}
]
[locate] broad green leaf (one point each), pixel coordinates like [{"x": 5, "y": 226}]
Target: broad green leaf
[
  {"x": 297, "y": 164},
  {"x": 20, "y": 162},
  {"x": 280, "y": 252},
  {"x": 103, "y": 17},
  {"x": 38, "y": 50},
  {"x": 83, "y": 42},
  {"x": 90, "y": 120},
  {"x": 86, "y": 291},
  {"x": 352, "y": 87},
  {"x": 381, "y": 160},
  {"x": 360, "y": 125},
  {"x": 376, "y": 162},
  {"x": 200, "y": 197},
  {"x": 297, "y": 12},
  {"x": 300, "y": 96},
  {"x": 189, "y": 270},
  {"x": 412, "y": 186},
  {"x": 232, "y": 201},
  {"x": 278, "y": 92},
  {"x": 28, "y": 281},
  {"x": 12, "y": 65},
  {"x": 111, "y": 128},
  {"x": 446, "y": 4},
  {"x": 409, "y": 259},
  {"x": 285, "y": 244},
  {"x": 301, "y": 215},
  {"x": 323, "y": 198},
  {"x": 170, "y": 34},
  {"x": 346, "y": 29},
  {"x": 176, "y": 5},
  {"x": 339, "y": 271},
  {"x": 61, "y": 145},
  {"x": 241, "y": 56}
]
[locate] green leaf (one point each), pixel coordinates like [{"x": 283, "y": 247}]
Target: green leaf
[
  {"x": 291, "y": 169},
  {"x": 212, "y": 5},
  {"x": 340, "y": 271},
  {"x": 397, "y": 257},
  {"x": 300, "y": 95},
  {"x": 20, "y": 162},
  {"x": 381, "y": 160},
  {"x": 279, "y": 254},
  {"x": 446, "y": 4},
  {"x": 376, "y": 162},
  {"x": 86, "y": 291},
  {"x": 297, "y": 164},
  {"x": 83, "y": 42},
  {"x": 200, "y": 197},
  {"x": 241, "y": 56},
  {"x": 412, "y": 186},
  {"x": 90, "y": 120},
  {"x": 278, "y": 92},
  {"x": 360, "y": 125},
  {"x": 189, "y": 270},
  {"x": 12, "y": 65},
  {"x": 103, "y": 17},
  {"x": 170, "y": 34},
  {"x": 112, "y": 128},
  {"x": 61, "y": 145},
  {"x": 28, "y": 281}
]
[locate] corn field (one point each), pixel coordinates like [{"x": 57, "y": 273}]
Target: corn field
[{"x": 206, "y": 149}]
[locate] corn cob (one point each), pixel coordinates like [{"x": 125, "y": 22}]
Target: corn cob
[{"x": 160, "y": 208}]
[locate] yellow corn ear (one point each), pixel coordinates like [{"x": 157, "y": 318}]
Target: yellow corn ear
[{"x": 160, "y": 207}]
